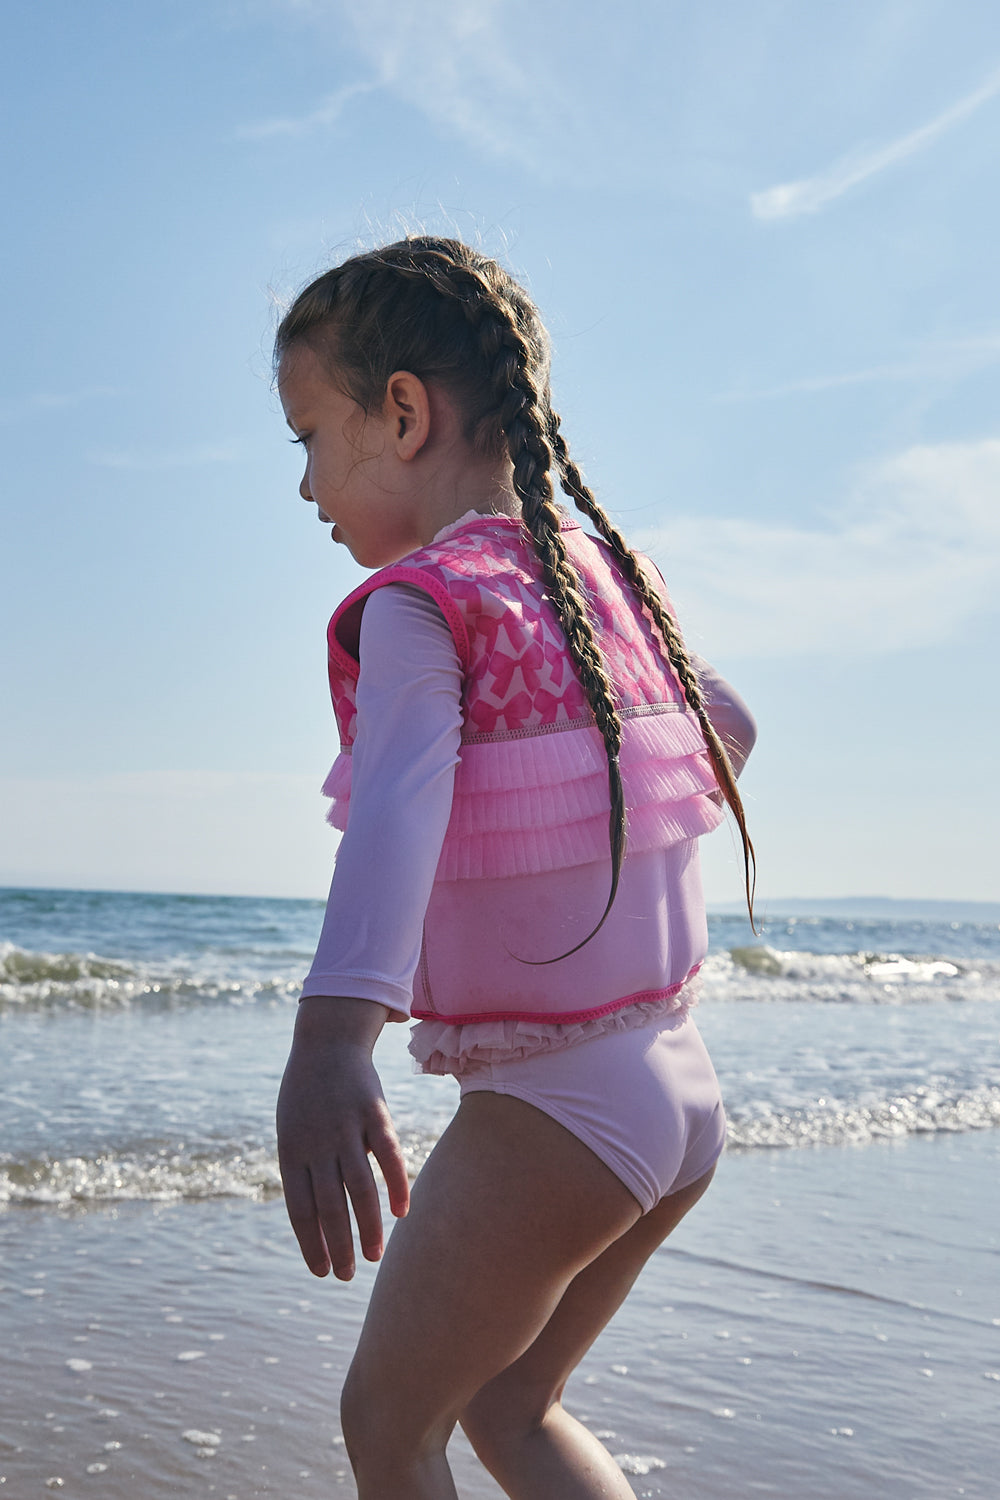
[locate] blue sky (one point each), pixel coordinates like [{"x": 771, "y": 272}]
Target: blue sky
[{"x": 764, "y": 238}]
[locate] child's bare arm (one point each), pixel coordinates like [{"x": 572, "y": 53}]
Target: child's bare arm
[{"x": 331, "y": 1115}]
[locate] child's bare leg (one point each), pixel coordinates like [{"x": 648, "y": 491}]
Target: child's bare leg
[
  {"x": 517, "y": 1423},
  {"x": 509, "y": 1208}
]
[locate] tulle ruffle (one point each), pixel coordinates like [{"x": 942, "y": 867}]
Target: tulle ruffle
[
  {"x": 540, "y": 803},
  {"x": 440, "y": 1048},
  {"x": 337, "y": 786}
]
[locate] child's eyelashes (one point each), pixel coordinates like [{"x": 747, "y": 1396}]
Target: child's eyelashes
[{"x": 302, "y": 440}]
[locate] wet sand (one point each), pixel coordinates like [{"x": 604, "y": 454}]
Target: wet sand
[{"x": 827, "y": 1323}]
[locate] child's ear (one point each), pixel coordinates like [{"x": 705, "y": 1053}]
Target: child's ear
[{"x": 407, "y": 414}]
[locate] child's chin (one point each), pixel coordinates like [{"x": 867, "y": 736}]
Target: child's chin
[
  {"x": 370, "y": 559},
  {"x": 363, "y": 558},
  {"x": 376, "y": 557}
]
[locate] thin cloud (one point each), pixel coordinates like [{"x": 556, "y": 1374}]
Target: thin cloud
[
  {"x": 808, "y": 195},
  {"x": 459, "y": 62},
  {"x": 24, "y": 408},
  {"x": 325, "y": 115},
  {"x": 177, "y": 458},
  {"x": 947, "y": 360},
  {"x": 911, "y": 557}
]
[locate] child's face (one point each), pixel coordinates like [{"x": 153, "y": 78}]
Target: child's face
[{"x": 349, "y": 473}]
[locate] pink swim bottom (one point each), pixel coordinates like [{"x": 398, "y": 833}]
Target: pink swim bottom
[{"x": 646, "y": 1101}]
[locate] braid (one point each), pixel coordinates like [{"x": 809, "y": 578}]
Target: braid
[
  {"x": 523, "y": 407},
  {"x": 673, "y": 643},
  {"x": 442, "y": 310}
]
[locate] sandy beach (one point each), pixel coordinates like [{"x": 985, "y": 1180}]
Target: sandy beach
[{"x": 828, "y": 1323}]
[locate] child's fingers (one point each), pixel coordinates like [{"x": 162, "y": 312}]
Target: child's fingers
[
  {"x": 383, "y": 1143},
  {"x": 363, "y": 1192},
  {"x": 333, "y": 1215},
  {"x": 301, "y": 1207}
]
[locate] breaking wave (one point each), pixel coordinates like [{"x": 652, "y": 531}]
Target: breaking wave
[
  {"x": 922, "y": 1111},
  {"x": 32, "y": 981},
  {"x": 172, "y": 1174},
  {"x": 766, "y": 973}
]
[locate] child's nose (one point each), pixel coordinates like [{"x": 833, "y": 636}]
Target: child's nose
[{"x": 304, "y": 488}]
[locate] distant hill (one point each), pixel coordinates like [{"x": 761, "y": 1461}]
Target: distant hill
[{"x": 869, "y": 906}]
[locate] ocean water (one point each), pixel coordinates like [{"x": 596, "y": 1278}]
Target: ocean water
[
  {"x": 144, "y": 1036},
  {"x": 827, "y": 1322}
]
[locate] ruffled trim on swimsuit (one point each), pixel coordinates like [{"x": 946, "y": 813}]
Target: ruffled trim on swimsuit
[
  {"x": 440, "y": 1048},
  {"x": 540, "y": 803}
]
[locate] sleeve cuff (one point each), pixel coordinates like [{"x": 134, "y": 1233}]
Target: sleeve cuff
[{"x": 359, "y": 987}]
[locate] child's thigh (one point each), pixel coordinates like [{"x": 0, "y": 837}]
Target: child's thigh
[
  {"x": 522, "y": 1393},
  {"x": 509, "y": 1207}
]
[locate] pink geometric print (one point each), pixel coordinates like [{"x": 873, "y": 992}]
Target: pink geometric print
[{"x": 521, "y": 679}]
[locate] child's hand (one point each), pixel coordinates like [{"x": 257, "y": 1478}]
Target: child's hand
[{"x": 331, "y": 1114}]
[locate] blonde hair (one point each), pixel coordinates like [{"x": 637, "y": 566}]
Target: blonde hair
[{"x": 447, "y": 313}]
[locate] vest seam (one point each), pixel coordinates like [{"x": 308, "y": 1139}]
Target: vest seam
[
  {"x": 633, "y": 711},
  {"x": 558, "y": 1018}
]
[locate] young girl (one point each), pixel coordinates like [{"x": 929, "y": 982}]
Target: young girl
[{"x": 529, "y": 756}]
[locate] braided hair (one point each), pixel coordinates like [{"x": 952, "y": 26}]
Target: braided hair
[{"x": 447, "y": 313}]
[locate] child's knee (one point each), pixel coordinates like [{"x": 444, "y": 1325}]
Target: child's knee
[
  {"x": 385, "y": 1432},
  {"x": 355, "y": 1418},
  {"x": 365, "y": 1421}
]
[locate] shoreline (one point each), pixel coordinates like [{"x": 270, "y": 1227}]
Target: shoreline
[{"x": 827, "y": 1321}]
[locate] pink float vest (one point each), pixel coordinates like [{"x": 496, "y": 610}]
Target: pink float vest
[
  {"x": 531, "y": 791},
  {"x": 531, "y": 788}
]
